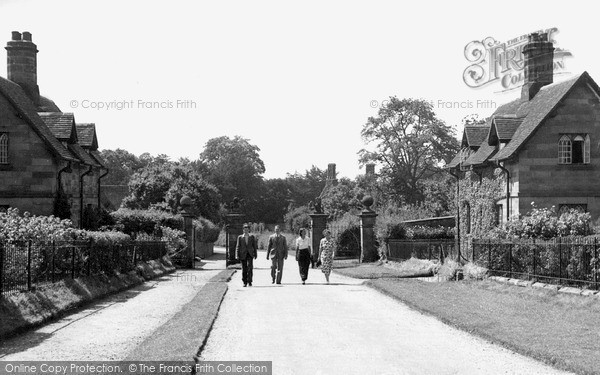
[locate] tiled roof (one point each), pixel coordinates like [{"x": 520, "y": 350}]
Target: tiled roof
[
  {"x": 535, "y": 111},
  {"x": 98, "y": 158},
  {"x": 17, "y": 97},
  {"x": 86, "y": 134},
  {"x": 473, "y": 135},
  {"x": 83, "y": 155},
  {"x": 61, "y": 124},
  {"x": 505, "y": 127},
  {"x": 484, "y": 152},
  {"x": 454, "y": 162}
]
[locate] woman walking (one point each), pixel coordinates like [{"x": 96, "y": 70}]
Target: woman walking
[
  {"x": 326, "y": 249},
  {"x": 303, "y": 254}
]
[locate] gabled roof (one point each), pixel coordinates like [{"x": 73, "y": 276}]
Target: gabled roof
[
  {"x": 61, "y": 124},
  {"x": 454, "y": 162},
  {"x": 473, "y": 135},
  {"x": 535, "y": 111},
  {"x": 26, "y": 109},
  {"x": 503, "y": 129},
  {"x": 484, "y": 152},
  {"x": 96, "y": 155},
  {"x": 86, "y": 133},
  {"x": 83, "y": 155}
]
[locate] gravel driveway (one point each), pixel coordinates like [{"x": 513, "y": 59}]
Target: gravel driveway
[{"x": 113, "y": 327}]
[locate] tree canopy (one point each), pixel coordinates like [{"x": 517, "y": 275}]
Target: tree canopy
[{"x": 410, "y": 144}]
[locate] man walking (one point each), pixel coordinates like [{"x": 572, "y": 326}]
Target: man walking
[
  {"x": 245, "y": 251},
  {"x": 277, "y": 251}
]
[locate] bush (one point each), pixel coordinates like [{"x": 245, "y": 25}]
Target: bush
[
  {"x": 431, "y": 233},
  {"x": 206, "y": 230},
  {"x": 544, "y": 223},
  {"x": 298, "y": 218},
  {"x": 147, "y": 221},
  {"x": 471, "y": 271},
  {"x": 449, "y": 270},
  {"x": 16, "y": 228}
]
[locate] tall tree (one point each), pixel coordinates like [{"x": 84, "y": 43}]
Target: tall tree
[
  {"x": 234, "y": 166},
  {"x": 121, "y": 165},
  {"x": 411, "y": 144},
  {"x": 306, "y": 187},
  {"x": 162, "y": 185}
]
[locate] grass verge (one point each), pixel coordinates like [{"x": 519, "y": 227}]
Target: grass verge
[
  {"x": 558, "y": 329},
  {"x": 410, "y": 268},
  {"x": 23, "y": 311}
]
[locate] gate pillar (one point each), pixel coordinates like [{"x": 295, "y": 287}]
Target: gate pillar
[
  {"x": 235, "y": 223},
  {"x": 188, "y": 227},
  {"x": 368, "y": 248}
]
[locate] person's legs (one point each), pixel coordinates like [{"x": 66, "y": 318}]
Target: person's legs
[
  {"x": 279, "y": 264},
  {"x": 244, "y": 271},
  {"x": 249, "y": 269},
  {"x": 273, "y": 269}
]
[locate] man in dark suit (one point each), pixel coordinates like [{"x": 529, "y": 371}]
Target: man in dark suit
[
  {"x": 245, "y": 251},
  {"x": 277, "y": 251}
]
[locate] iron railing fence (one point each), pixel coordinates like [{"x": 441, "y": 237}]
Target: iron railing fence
[
  {"x": 422, "y": 249},
  {"x": 563, "y": 260},
  {"x": 26, "y": 265}
]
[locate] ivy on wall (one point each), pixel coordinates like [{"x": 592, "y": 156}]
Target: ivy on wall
[{"x": 477, "y": 202}]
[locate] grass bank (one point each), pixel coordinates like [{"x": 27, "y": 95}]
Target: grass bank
[
  {"x": 559, "y": 329},
  {"x": 22, "y": 311}
]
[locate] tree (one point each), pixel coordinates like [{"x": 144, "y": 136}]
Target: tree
[
  {"x": 306, "y": 187},
  {"x": 235, "y": 168},
  {"x": 162, "y": 186},
  {"x": 121, "y": 165},
  {"x": 411, "y": 144},
  {"x": 341, "y": 198}
]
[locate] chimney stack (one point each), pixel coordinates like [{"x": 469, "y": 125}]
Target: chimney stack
[
  {"x": 538, "y": 66},
  {"x": 370, "y": 169},
  {"x": 22, "y": 64}
]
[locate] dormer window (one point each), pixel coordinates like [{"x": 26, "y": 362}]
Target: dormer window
[
  {"x": 3, "y": 148},
  {"x": 574, "y": 149}
]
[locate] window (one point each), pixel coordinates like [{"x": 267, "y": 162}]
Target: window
[
  {"x": 574, "y": 149},
  {"x": 581, "y": 207},
  {"x": 3, "y": 148}
]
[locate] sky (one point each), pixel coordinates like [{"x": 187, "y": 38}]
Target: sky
[{"x": 297, "y": 79}]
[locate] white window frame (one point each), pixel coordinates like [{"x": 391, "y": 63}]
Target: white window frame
[{"x": 565, "y": 148}]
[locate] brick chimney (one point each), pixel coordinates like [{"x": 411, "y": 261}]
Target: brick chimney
[
  {"x": 22, "y": 64},
  {"x": 538, "y": 56}
]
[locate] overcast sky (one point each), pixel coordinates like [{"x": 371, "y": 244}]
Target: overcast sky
[{"x": 298, "y": 79}]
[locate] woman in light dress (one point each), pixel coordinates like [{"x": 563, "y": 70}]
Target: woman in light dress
[{"x": 327, "y": 250}]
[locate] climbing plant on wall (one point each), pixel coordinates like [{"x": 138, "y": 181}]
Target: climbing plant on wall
[{"x": 477, "y": 202}]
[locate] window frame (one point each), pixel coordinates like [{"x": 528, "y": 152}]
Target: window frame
[
  {"x": 566, "y": 151},
  {"x": 4, "y": 146}
]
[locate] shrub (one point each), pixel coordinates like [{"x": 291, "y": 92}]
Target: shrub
[
  {"x": 147, "y": 221},
  {"x": 15, "y": 228},
  {"x": 297, "y": 218},
  {"x": 544, "y": 223},
  {"x": 449, "y": 270},
  {"x": 426, "y": 232},
  {"x": 206, "y": 230},
  {"x": 471, "y": 271}
]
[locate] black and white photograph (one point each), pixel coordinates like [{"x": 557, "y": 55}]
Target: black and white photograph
[{"x": 299, "y": 187}]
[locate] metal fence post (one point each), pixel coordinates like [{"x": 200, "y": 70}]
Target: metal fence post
[
  {"x": 89, "y": 263},
  {"x": 53, "y": 256},
  {"x": 596, "y": 262},
  {"x": 489, "y": 248},
  {"x": 559, "y": 259},
  {"x": 534, "y": 247},
  {"x": 1, "y": 267},
  {"x": 72, "y": 261},
  {"x": 29, "y": 265}
]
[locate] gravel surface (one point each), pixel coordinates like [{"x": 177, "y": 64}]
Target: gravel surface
[
  {"x": 345, "y": 328},
  {"x": 112, "y": 327}
]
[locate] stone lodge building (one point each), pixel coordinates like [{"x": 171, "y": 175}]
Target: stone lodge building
[
  {"x": 47, "y": 160},
  {"x": 547, "y": 142}
]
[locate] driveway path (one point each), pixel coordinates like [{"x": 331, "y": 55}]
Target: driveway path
[
  {"x": 111, "y": 328},
  {"x": 344, "y": 328}
]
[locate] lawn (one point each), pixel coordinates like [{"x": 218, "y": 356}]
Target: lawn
[{"x": 558, "y": 329}]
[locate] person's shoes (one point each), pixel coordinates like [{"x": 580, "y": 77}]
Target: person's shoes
[
  {"x": 245, "y": 285},
  {"x": 279, "y": 283},
  {"x": 250, "y": 284},
  {"x": 273, "y": 282},
  {"x": 303, "y": 282}
]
